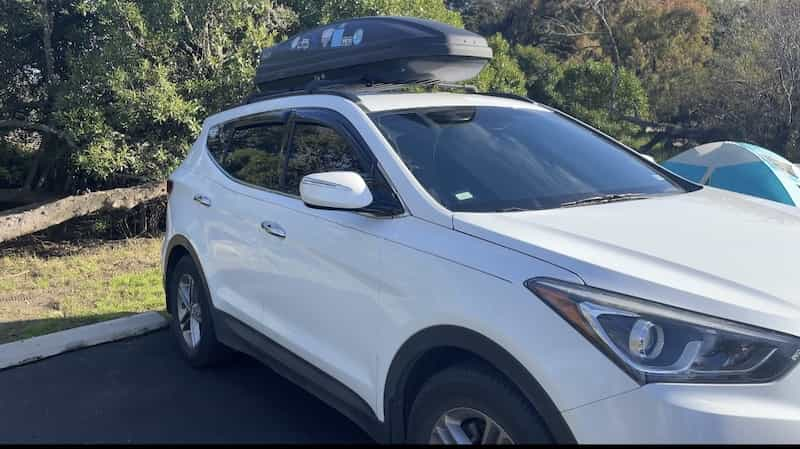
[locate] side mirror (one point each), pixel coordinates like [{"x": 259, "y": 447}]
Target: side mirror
[{"x": 335, "y": 190}]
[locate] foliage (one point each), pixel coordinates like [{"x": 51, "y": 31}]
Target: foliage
[
  {"x": 542, "y": 72},
  {"x": 583, "y": 89},
  {"x": 113, "y": 92},
  {"x": 666, "y": 44},
  {"x": 503, "y": 73},
  {"x": 316, "y": 12},
  {"x": 585, "y": 92},
  {"x": 167, "y": 65},
  {"x": 132, "y": 81},
  {"x": 13, "y": 160}
]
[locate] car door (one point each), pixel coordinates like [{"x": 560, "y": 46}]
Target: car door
[
  {"x": 330, "y": 271},
  {"x": 248, "y": 156}
]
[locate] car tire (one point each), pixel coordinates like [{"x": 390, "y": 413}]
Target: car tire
[
  {"x": 191, "y": 322},
  {"x": 461, "y": 402}
]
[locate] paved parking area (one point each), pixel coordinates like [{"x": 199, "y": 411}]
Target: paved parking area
[{"x": 140, "y": 391}]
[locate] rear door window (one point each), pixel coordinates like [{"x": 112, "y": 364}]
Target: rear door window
[{"x": 250, "y": 152}]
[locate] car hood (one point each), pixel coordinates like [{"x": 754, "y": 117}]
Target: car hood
[{"x": 710, "y": 251}]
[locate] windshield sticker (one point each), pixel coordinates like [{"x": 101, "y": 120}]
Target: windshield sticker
[{"x": 463, "y": 196}]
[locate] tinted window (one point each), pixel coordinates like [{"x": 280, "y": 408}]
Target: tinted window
[
  {"x": 316, "y": 149},
  {"x": 251, "y": 154},
  {"x": 479, "y": 159},
  {"x": 214, "y": 143}
]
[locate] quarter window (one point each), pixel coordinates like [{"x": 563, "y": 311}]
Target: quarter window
[{"x": 251, "y": 154}]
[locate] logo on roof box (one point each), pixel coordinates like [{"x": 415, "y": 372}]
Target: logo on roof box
[
  {"x": 326, "y": 37},
  {"x": 301, "y": 44},
  {"x": 337, "y": 38}
]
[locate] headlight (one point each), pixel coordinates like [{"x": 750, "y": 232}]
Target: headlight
[{"x": 658, "y": 343}]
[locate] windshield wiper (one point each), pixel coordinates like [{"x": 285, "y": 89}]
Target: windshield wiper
[
  {"x": 601, "y": 199},
  {"x": 511, "y": 209}
]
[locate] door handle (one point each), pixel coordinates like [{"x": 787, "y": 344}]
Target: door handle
[
  {"x": 273, "y": 228},
  {"x": 204, "y": 200}
]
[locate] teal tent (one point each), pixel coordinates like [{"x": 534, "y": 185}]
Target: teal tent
[{"x": 740, "y": 167}]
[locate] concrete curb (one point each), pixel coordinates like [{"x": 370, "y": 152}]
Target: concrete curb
[{"x": 38, "y": 348}]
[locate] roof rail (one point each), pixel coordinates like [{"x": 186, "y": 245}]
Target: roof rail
[
  {"x": 508, "y": 95},
  {"x": 468, "y": 88},
  {"x": 261, "y": 96},
  {"x": 350, "y": 88}
]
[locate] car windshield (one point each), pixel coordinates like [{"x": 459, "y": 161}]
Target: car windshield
[{"x": 488, "y": 159}]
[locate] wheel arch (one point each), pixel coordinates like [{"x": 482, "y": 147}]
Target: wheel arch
[
  {"x": 178, "y": 247},
  {"x": 428, "y": 348}
]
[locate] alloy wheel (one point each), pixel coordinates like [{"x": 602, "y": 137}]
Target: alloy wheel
[
  {"x": 468, "y": 426},
  {"x": 190, "y": 315}
]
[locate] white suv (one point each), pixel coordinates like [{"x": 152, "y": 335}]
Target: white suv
[{"x": 467, "y": 268}]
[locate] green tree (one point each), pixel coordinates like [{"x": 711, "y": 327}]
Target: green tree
[
  {"x": 663, "y": 42},
  {"x": 117, "y": 89},
  {"x": 585, "y": 89},
  {"x": 525, "y": 22},
  {"x": 667, "y": 44},
  {"x": 35, "y": 38},
  {"x": 542, "y": 71},
  {"x": 753, "y": 91},
  {"x": 316, "y": 12},
  {"x": 503, "y": 73}
]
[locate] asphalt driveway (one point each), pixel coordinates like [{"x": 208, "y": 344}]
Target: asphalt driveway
[{"x": 140, "y": 391}]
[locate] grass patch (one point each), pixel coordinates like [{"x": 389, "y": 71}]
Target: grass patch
[{"x": 40, "y": 294}]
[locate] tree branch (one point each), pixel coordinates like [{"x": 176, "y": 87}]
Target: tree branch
[
  {"x": 657, "y": 138},
  {"x": 40, "y": 127},
  {"x": 27, "y": 220},
  {"x": 671, "y": 130},
  {"x": 600, "y": 11},
  {"x": 47, "y": 42}
]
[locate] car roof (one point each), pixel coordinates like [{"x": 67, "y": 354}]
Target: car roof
[{"x": 377, "y": 102}]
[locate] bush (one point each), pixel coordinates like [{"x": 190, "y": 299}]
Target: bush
[{"x": 585, "y": 89}]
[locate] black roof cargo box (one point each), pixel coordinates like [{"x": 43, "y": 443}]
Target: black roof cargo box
[{"x": 373, "y": 50}]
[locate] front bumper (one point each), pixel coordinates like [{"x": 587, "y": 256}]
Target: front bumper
[{"x": 694, "y": 413}]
